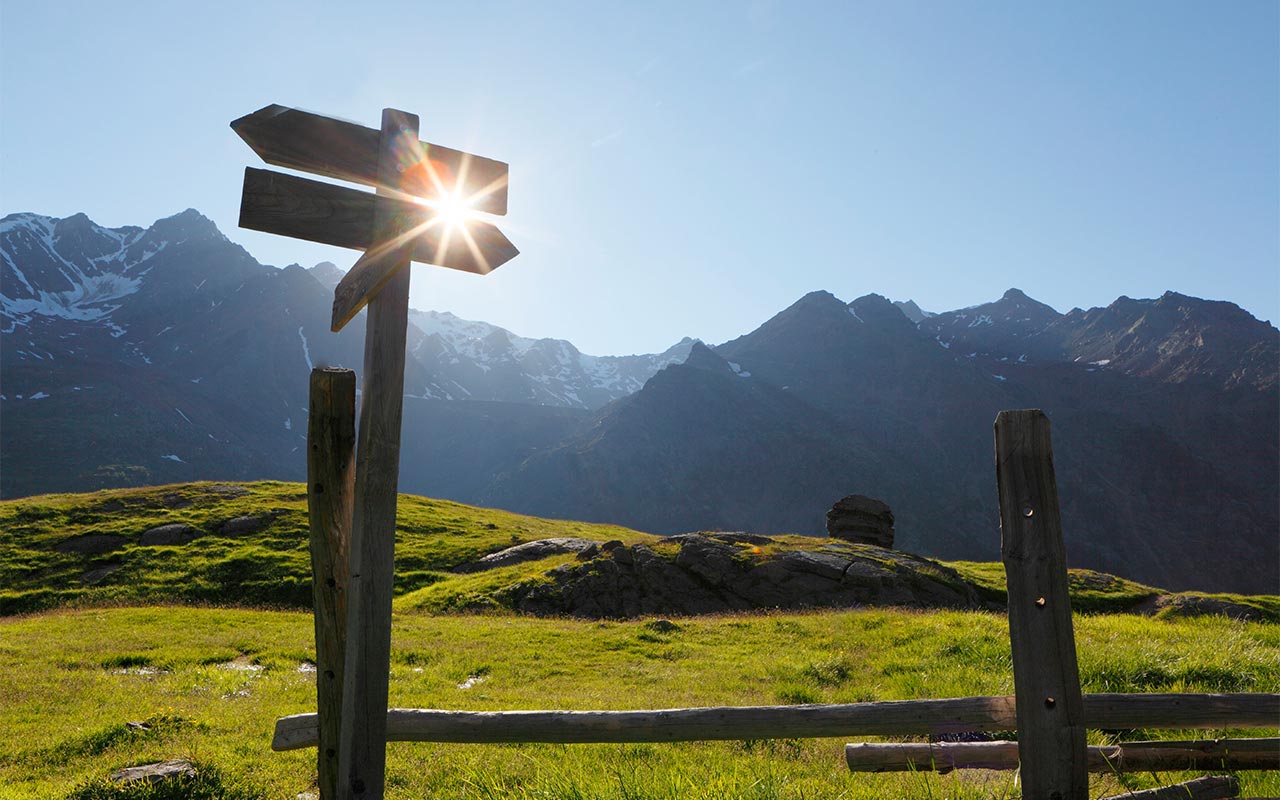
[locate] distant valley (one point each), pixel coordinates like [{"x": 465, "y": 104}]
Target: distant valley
[{"x": 135, "y": 356}]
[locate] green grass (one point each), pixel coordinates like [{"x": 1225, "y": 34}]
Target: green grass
[
  {"x": 1091, "y": 592},
  {"x": 203, "y": 644},
  {"x": 73, "y": 679},
  {"x": 271, "y": 567}
]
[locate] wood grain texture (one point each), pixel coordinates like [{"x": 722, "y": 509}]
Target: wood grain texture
[
  {"x": 362, "y": 754},
  {"x": 331, "y": 437},
  {"x": 305, "y": 209},
  {"x": 337, "y": 215},
  {"x": 480, "y": 249},
  {"x": 288, "y": 137},
  {"x": 1046, "y": 680},
  {"x": 942, "y": 757},
  {"x": 888, "y": 718},
  {"x": 1211, "y": 788}
]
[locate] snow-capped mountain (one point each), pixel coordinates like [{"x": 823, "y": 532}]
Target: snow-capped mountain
[
  {"x": 99, "y": 323},
  {"x": 477, "y": 361},
  {"x": 133, "y": 356}
]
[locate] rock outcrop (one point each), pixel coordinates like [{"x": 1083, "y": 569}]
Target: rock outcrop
[
  {"x": 155, "y": 773},
  {"x": 701, "y": 574},
  {"x": 94, "y": 544},
  {"x": 530, "y": 551},
  {"x": 242, "y": 526},
  {"x": 862, "y": 520},
  {"x": 174, "y": 533}
]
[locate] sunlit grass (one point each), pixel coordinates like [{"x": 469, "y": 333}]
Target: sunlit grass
[
  {"x": 209, "y": 681},
  {"x": 72, "y": 679}
]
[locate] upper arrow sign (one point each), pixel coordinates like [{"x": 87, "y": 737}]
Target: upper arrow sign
[{"x": 310, "y": 142}]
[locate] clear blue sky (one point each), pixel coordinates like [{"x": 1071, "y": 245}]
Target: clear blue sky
[{"x": 690, "y": 168}]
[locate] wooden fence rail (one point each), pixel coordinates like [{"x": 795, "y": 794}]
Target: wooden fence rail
[
  {"x": 942, "y": 757},
  {"x": 1214, "y": 787},
  {"x": 888, "y": 718}
]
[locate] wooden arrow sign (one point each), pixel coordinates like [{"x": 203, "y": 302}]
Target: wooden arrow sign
[
  {"x": 344, "y": 150},
  {"x": 321, "y": 212}
]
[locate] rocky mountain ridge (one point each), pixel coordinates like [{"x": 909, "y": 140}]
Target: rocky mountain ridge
[{"x": 132, "y": 356}]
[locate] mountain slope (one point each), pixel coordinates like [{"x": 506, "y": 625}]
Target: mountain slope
[
  {"x": 132, "y": 356},
  {"x": 1165, "y": 482},
  {"x": 702, "y": 446}
]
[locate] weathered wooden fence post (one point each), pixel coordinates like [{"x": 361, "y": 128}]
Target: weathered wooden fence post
[
  {"x": 331, "y": 437},
  {"x": 1050, "y": 711}
]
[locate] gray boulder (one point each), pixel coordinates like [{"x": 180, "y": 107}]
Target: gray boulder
[
  {"x": 241, "y": 526},
  {"x": 531, "y": 551},
  {"x": 155, "y": 773},
  {"x": 862, "y": 520},
  {"x": 93, "y": 544},
  {"x": 171, "y": 534}
]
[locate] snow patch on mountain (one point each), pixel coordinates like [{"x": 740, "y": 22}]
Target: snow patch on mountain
[
  {"x": 51, "y": 272},
  {"x": 487, "y": 362},
  {"x": 306, "y": 348}
]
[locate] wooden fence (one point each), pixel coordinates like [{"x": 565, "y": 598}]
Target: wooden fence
[{"x": 1048, "y": 709}]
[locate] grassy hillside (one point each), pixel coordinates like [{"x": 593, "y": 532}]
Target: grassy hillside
[
  {"x": 43, "y": 539},
  {"x": 182, "y": 638},
  {"x": 246, "y": 545},
  {"x": 210, "y": 682}
]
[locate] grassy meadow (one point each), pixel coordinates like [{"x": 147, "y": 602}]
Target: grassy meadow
[{"x": 208, "y": 672}]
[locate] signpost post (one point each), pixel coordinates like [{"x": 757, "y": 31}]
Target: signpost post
[{"x": 393, "y": 229}]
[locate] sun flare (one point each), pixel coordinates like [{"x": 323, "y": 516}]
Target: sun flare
[{"x": 452, "y": 210}]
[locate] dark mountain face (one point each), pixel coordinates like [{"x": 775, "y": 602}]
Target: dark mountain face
[
  {"x": 144, "y": 356},
  {"x": 1174, "y": 339},
  {"x": 704, "y": 444},
  {"x": 132, "y": 356},
  {"x": 1170, "y": 481},
  {"x": 1002, "y": 328}
]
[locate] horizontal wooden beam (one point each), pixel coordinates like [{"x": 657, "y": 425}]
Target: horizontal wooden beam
[
  {"x": 944, "y": 757},
  {"x": 888, "y": 718},
  {"x": 287, "y": 205},
  {"x": 1214, "y": 787},
  {"x": 289, "y": 137}
]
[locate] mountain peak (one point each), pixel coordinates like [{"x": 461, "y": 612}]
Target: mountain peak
[
  {"x": 819, "y": 299},
  {"x": 77, "y": 221},
  {"x": 912, "y": 311},
  {"x": 327, "y": 273},
  {"x": 878, "y": 309},
  {"x": 189, "y": 224},
  {"x": 1014, "y": 294},
  {"x": 704, "y": 358}
]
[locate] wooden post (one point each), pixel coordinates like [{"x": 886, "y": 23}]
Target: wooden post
[
  {"x": 1050, "y": 711},
  {"x": 363, "y": 750},
  {"x": 331, "y": 436}
]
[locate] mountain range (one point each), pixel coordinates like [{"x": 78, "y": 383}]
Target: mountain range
[{"x": 134, "y": 356}]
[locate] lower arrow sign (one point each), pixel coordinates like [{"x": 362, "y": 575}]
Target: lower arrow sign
[{"x": 320, "y": 212}]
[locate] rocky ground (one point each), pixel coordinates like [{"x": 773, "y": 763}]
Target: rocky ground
[{"x": 712, "y": 573}]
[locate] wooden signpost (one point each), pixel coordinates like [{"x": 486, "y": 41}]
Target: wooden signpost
[{"x": 393, "y": 228}]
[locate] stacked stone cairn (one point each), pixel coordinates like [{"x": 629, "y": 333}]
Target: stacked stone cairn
[{"x": 861, "y": 519}]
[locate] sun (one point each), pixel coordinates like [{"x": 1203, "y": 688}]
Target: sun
[{"x": 452, "y": 209}]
